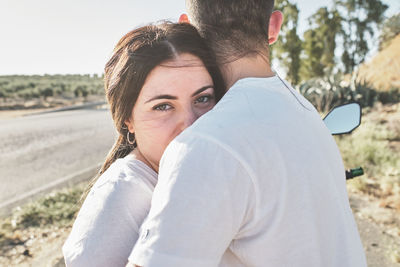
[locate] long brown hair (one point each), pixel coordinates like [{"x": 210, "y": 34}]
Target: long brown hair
[{"x": 135, "y": 55}]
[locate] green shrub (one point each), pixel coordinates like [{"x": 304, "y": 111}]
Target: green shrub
[
  {"x": 392, "y": 96},
  {"x": 47, "y": 92},
  {"x": 369, "y": 147},
  {"x": 56, "y": 208}
]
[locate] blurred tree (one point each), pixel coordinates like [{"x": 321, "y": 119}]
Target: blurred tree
[
  {"x": 390, "y": 29},
  {"x": 46, "y": 92},
  {"x": 289, "y": 46},
  {"x": 358, "y": 20},
  {"x": 313, "y": 49},
  {"x": 320, "y": 43},
  {"x": 85, "y": 93},
  {"x": 78, "y": 91},
  {"x": 19, "y": 87},
  {"x": 81, "y": 90}
]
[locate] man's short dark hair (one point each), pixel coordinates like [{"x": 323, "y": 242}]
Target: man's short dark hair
[{"x": 232, "y": 26}]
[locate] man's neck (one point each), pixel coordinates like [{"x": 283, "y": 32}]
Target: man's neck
[{"x": 246, "y": 67}]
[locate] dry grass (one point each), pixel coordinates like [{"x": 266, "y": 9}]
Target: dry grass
[
  {"x": 383, "y": 71},
  {"x": 37, "y": 224},
  {"x": 376, "y": 147}
]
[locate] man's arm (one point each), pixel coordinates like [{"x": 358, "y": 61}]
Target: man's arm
[{"x": 198, "y": 207}]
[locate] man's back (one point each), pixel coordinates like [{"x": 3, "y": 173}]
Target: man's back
[{"x": 271, "y": 186}]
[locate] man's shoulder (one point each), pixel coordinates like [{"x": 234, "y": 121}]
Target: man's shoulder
[{"x": 203, "y": 143}]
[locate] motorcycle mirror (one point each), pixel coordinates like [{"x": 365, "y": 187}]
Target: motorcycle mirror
[{"x": 344, "y": 118}]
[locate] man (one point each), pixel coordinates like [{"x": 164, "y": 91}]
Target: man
[{"x": 258, "y": 181}]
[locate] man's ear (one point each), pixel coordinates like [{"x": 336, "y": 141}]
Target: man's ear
[
  {"x": 184, "y": 19},
  {"x": 275, "y": 23}
]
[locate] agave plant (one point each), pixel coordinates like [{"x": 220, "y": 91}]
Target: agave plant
[
  {"x": 325, "y": 93},
  {"x": 335, "y": 89}
]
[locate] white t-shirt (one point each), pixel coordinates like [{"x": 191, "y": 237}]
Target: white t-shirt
[
  {"x": 259, "y": 175},
  {"x": 107, "y": 225}
]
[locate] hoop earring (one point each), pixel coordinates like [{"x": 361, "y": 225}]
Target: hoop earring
[{"x": 129, "y": 141}]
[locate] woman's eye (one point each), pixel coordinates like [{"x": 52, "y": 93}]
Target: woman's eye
[
  {"x": 162, "y": 107},
  {"x": 204, "y": 99}
]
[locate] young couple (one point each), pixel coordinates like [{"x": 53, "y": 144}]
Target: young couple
[{"x": 256, "y": 181}]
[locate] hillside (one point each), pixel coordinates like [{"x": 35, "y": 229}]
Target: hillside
[{"x": 383, "y": 70}]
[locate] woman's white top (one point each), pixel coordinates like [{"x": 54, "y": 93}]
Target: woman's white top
[{"x": 107, "y": 226}]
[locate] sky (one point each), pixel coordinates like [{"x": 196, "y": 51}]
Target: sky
[{"x": 77, "y": 36}]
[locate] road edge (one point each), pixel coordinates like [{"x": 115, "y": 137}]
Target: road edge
[{"x": 69, "y": 180}]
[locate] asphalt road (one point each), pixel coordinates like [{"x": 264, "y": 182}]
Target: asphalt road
[{"x": 39, "y": 152}]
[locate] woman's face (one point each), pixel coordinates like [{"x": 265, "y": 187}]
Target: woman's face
[{"x": 174, "y": 95}]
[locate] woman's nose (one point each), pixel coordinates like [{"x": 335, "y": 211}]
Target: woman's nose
[{"x": 189, "y": 117}]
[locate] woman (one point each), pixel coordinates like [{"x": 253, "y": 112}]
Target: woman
[{"x": 159, "y": 80}]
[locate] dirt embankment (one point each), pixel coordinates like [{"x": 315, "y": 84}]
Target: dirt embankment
[{"x": 383, "y": 71}]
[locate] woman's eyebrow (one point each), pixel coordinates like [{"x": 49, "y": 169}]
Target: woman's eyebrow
[
  {"x": 174, "y": 97},
  {"x": 202, "y": 89},
  {"x": 162, "y": 97}
]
